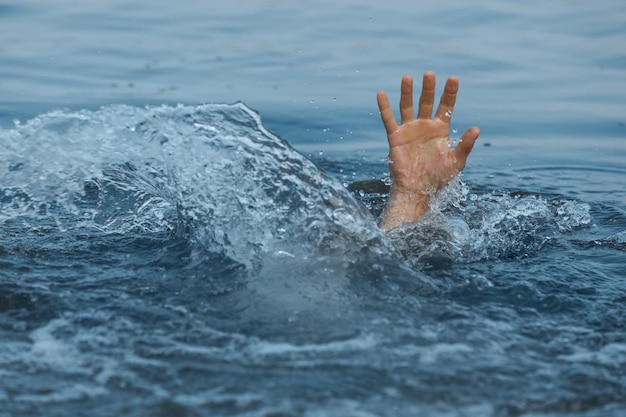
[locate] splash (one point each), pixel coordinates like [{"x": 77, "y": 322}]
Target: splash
[
  {"x": 465, "y": 227},
  {"x": 215, "y": 177},
  {"x": 211, "y": 172}
]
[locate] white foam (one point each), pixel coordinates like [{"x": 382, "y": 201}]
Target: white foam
[
  {"x": 266, "y": 348},
  {"x": 612, "y": 355},
  {"x": 50, "y": 352}
]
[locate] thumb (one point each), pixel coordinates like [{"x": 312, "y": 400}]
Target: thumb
[{"x": 465, "y": 145}]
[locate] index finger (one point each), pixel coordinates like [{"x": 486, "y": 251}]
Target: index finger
[{"x": 448, "y": 98}]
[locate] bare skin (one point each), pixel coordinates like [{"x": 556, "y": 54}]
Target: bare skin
[{"x": 421, "y": 161}]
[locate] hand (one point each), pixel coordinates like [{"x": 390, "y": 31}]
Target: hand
[{"x": 421, "y": 161}]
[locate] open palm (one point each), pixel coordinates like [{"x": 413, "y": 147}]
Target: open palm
[{"x": 421, "y": 161}]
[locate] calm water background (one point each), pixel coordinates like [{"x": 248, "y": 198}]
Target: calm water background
[
  {"x": 544, "y": 82},
  {"x": 529, "y": 322}
]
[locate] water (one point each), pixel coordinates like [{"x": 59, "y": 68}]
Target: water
[{"x": 183, "y": 260}]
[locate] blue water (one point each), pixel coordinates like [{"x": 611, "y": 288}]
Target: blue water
[{"x": 167, "y": 257}]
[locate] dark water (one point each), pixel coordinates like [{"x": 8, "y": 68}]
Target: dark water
[
  {"x": 185, "y": 261},
  {"x": 182, "y": 260}
]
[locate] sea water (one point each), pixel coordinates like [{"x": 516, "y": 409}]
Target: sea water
[{"x": 163, "y": 257}]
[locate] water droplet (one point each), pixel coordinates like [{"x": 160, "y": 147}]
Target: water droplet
[
  {"x": 321, "y": 153},
  {"x": 455, "y": 130}
]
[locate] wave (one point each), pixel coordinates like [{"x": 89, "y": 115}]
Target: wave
[
  {"x": 211, "y": 176},
  {"x": 202, "y": 199}
]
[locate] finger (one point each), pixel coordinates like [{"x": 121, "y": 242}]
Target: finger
[
  {"x": 464, "y": 147},
  {"x": 406, "y": 99},
  {"x": 448, "y": 98},
  {"x": 386, "y": 114},
  {"x": 427, "y": 98}
]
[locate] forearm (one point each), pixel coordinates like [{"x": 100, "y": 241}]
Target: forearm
[{"x": 403, "y": 208}]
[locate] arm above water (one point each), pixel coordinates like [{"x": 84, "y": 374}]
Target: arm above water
[{"x": 421, "y": 161}]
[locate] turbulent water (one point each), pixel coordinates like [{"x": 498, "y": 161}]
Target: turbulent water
[{"x": 185, "y": 261}]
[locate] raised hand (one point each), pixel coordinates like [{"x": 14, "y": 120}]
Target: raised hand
[{"x": 421, "y": 161}]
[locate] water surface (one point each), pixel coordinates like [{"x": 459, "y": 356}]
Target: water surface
[{"x": 183, "y": 259}]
